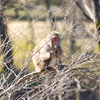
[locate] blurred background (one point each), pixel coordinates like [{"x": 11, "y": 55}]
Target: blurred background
[{"x": 29, "y": 21}]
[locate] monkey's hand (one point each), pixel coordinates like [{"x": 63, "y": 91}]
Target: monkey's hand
[
  {"x": 53, "y": 53},
  {"x": 59, "y": 50}
]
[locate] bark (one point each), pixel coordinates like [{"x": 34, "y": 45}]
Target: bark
[
  {"x": 84, "y": 13},
  {"x": 47, "y": 2},
  {"x": 93, "y": 16},
  {"x": 97, "y": 16},
  {"x": 5, "y": 44},
  {"x": 7, "y": 53},
  {"x": 50, "y": 16}
]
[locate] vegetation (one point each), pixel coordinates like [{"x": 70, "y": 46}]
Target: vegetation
[{"x": 23, "y": 23}]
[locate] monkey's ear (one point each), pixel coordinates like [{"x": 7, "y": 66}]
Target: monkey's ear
[{"x": 52, "y": 33}]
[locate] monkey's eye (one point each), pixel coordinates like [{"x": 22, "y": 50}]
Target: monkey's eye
[{"x": 56, "y": 38}]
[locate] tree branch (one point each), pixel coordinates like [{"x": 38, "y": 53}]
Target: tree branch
[
  {"x": 88, "y": 9},
  {"x": 83, "y": 12}
]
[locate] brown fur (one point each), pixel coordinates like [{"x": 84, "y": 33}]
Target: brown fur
[{"x": 44, "y": 57}]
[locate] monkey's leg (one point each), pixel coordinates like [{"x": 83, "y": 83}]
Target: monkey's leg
[{"x": 38, "y": 69}]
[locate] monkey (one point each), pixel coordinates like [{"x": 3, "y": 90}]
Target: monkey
[{"x": 50, "y": 52}]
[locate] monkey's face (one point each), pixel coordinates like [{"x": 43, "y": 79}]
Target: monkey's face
[{"x": 56, "y": 41}]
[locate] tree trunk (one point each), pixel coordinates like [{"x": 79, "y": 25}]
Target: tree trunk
[
  {"x": 97, "y": 16},
  {"x": 47, "y": 2},
  {"x": 50, "y": 16},
  {"x": 5, "y": 43}
]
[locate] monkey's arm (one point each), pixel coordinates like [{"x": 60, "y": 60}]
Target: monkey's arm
[
  {"x": 59, "y": 51},
  {"x": 44, "y": 54}
]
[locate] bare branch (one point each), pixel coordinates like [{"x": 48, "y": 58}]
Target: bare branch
[
  {"x": 88, "y": 9},
  {"x": 83, "y": 11}
]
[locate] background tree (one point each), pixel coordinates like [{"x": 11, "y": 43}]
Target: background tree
[
  {"x": 5, "y": 42},
  {"x": 91, "y": 12}
]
